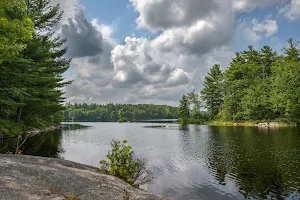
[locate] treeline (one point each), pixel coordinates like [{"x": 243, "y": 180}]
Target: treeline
[
  {"x": 117, "y": 112},
  {"x": 31, "y": 66},
  {"x": 258, "y": 85}
]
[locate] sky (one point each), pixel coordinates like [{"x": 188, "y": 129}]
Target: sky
[{"x": 154, "y": 51}]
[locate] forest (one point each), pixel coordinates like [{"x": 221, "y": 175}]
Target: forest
[
  {"x": 258, "y": 85},
  {"x": 117, "y": 112},
  {"x": 32, "y": 64}
]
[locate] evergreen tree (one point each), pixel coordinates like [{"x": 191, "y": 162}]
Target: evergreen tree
[
  {"x": 244, "y": 69},
  {"x": 15, "y": 28},
  {"x": 121, "y": 117},
  {"x": 183, "y": 110},
  {"x": 256, "y": 103},
  {"x": 258, "y": 85},
  {"x": 286, "y": 84},
  {"x": 31, "y": 88},
  {"x": 213, "y": 91}
]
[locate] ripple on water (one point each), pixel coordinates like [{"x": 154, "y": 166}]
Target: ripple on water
[{"x": 196, "y": 163}]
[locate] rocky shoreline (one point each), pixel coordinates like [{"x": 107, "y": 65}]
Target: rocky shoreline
[
  {"x": 268, "y": 125},
  {"x": 260, "y": 125},
  {"x": 28, "y": 177},
  {"x": 33, "y": 132},
  {"x": 37, "y": 131}
]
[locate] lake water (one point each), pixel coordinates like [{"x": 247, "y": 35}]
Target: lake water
[{"x": 194, "y": 162}]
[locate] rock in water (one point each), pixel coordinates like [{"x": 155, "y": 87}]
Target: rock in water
[{"x": 27, "y": 177}]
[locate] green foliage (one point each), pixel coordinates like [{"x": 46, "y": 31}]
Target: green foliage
[
  {"x": 256, "y": 86},
  {"x": 31, "y": 72},
  {"x": 123, "y": 164},
  {"x": 118, "y": 112},
  {"x": 121, "y": 117},
  {"x": 213, "y": 91},
  {"x": 189, "y": 109},
  {"x": 183, "y": 110},
  {"x": 15, "y": 28}
]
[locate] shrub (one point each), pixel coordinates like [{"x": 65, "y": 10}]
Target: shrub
[{"x": 122, "y": 163}]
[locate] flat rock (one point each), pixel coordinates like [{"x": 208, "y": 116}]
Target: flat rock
[{"x": 27, "y": 177}]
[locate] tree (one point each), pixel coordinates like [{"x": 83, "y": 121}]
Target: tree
[
  {"x": 31, "y": 83},
  {"x": 257, "y": 85},
  {"x": 121, "y": 117},
  {"x": 213, "y": 91},
  {"x": 286, "y": 84},
  {"x": 122, "y": 163},
  {"x": 183, "y": 110},
  {"x": 245, "y": 69},
  {"x": 15, "y": 28},
  {"x": 197, "y": 116},
  {"x": 256, "y": 103}
]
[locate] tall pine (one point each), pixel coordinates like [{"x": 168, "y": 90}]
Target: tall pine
[
  {"x": 34, "y": 80},
  {"x": 184, "y": 110},
  {"x": 213, "y": 91},
  {"x": 286, "y": 84}
]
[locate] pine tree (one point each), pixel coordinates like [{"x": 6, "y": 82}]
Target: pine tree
[
  {"x": 31, "y": 88},
  {"x": 15, "y": 28},
  {"x": 183, "y": 110},
  {"x": 256, "y": 103},
  {"x": 239, "y": 77},
  {"x": 213, "y": 91},
  {"x": 286, "y": 84}
]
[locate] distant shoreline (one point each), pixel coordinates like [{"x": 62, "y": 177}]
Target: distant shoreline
[{"x": 211, "y": 123}]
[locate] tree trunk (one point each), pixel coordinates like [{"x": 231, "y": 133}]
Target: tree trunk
[{"x": 19, "y": 115}]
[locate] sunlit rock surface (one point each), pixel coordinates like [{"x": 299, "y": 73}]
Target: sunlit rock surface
[{"x": 28, "y": 177}]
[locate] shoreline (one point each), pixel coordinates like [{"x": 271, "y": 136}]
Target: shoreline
[
  {"x": 39, "y": 131},
  {"x": 32, "y": 132},
  {"x": 260, "y": 124},
  {"x": 252, "y": 124}
]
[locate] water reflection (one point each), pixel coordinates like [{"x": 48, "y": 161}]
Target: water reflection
[
  {"x": 260, "y": 164},
  {"x": 46, "y": 145},
  {"x": 189, "y": 162}
]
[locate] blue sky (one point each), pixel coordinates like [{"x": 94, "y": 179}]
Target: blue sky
[
  {"x": 118, "y": 13},
  {"x": 170, "y": 44}
]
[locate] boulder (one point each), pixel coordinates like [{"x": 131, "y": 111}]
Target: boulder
[
  {"x": 273, "y": 125},
  {"x": 27, "y": 177},
  {"x": 268, "y": 125}
]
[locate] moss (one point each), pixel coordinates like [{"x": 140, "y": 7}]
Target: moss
[{"x": 72, "y": 197}]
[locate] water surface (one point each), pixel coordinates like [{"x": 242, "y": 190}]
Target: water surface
[{"x": 194, "y": 162}]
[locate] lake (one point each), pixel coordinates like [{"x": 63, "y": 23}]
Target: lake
[{"x": 194, "y": 162}]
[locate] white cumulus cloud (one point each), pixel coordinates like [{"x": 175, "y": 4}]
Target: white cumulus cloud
[
  {"x": 249, "y": 5},
  {"x": 260, "y": 29},
  {"x": 291, "y": 10},
  {"x": 192, "y": 35}
]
